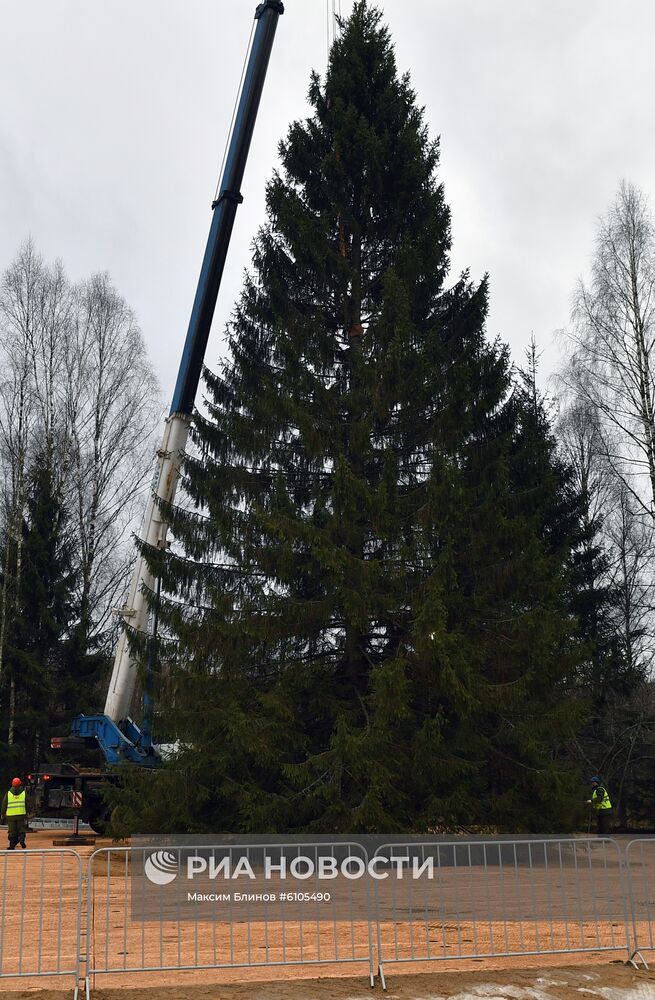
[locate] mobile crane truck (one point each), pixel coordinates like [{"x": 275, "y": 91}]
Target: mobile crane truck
[{"x": 100, "y": 744}]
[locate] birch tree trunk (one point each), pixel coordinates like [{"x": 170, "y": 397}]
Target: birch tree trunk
[{"x": 610, "y": 364}]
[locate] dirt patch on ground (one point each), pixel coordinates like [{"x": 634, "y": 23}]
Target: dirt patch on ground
[{"x": 580, "y": 982}]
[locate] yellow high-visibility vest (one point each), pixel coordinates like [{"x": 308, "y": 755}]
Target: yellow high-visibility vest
[
  {"x": 16, "y": 804},
  {"x": 600, "y": 799}
]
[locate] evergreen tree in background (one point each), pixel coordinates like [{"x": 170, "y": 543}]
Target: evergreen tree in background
[
  {"x": 372, "y": 604},
  {"x": 612, "y": 684},
  {"x": 609, "y": 602},
  {"x": 608, "y": 676},
  {"x": 52, "y": 677}
]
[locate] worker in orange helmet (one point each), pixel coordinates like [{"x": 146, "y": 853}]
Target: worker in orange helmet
[{"x": 14, "y": 808}]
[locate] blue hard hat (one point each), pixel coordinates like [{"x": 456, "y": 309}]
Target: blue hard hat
[{"x": 596, "y": 779}]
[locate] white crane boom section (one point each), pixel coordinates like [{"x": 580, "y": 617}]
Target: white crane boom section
[{"x": 153, "y": 531}]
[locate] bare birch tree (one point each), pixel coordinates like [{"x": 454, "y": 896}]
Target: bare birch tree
[
  {"x": 112, "y": 409},
  {"x": 583, "y": 446},
  {"x": 624, "y": 535},
  {"x": 630, "y": 546},
  {"x": 611, "y": 361},
  {"x": 77, "y": 393}
]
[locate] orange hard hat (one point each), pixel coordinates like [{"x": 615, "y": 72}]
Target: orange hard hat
[{"x": 15, "y": 781}]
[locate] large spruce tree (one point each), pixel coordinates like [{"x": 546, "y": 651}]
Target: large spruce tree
[{"x": 370, "y": 606}]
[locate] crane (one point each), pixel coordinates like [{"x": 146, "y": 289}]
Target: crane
[{"x": 119, "y": 738}]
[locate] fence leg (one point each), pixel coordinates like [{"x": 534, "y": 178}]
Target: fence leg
[
  {"x": 637, "y": 954},
  {"x": 383, "y": 982}
]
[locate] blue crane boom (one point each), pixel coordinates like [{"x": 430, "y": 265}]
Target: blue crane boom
[
  {"x": 225, "y": 209},
  {"x": 118, "y": 736}
]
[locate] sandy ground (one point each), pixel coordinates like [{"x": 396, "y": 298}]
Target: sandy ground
[
  {"x": 605, "y": 981},
  {"x": 47, "y": 927}
]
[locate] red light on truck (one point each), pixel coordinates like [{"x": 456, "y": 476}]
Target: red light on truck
[{"x": 46, "y": 777}]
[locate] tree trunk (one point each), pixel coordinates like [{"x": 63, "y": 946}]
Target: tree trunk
[{"x": 12, "y": 711}]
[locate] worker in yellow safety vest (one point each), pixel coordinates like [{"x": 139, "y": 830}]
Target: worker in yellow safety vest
[
  {"x": 14, "y": 808},
  {"x": 601, "y": 805}
]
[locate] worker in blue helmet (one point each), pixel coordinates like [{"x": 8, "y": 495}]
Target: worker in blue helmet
[{"x": 601, "y": 805}]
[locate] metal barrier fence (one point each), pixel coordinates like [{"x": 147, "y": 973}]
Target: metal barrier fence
[
  {"x": 119, "y": 941},
  {"x": 40, "y": 914},
  {"x": 470, "y": 900},
  {"x": 500, "y": 899},
  {"x": 640, "y": 865}
]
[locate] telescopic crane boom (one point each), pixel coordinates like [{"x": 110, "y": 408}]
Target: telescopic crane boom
[{"x": 119, "y": 737}]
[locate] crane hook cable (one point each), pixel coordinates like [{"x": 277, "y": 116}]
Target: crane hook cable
[{"x": 234, "y": 111}]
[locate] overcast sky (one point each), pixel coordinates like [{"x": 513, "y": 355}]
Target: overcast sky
[{"x": 114, "y": 117}]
